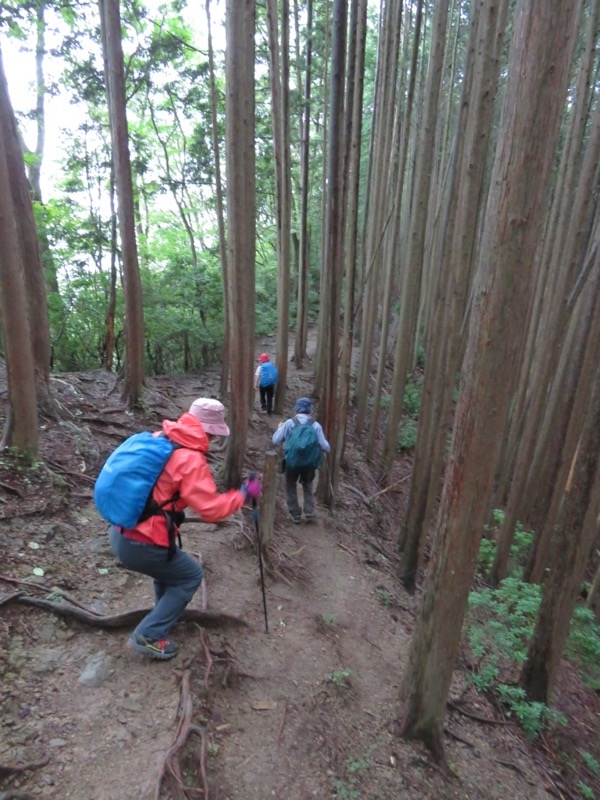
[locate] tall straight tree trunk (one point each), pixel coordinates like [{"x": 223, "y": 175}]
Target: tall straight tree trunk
[
  {"x": 463, "y": 209},
  {"x": 241, "y": 212},
  {"x": 334, "y": 238},
  {"x": 303, "y": 253},
  {"x": 134, "y": 315},
  {"x": 574, "y": 537},
  {"x": 411, "y": 281},
  {"x": 111, "y": 306},
  {"x": 377, "y": 213},
  {"x": 539, "y": 62},
  {"x": 280, "y": 80},
  {"x": 550, "y": 396},
  {"x": 220, "y": 204},
  {"x": 404, "y": 119},
  {"x": 30, "y": 257},
  {"x": 354, "y": 114},
  {"x": 21, "y": 425}
]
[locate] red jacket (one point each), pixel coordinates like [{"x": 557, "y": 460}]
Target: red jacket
[{"x": 188, "y": 473}]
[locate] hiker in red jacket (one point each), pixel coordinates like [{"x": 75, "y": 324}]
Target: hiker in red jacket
[
  {"x": 186, "y": 481},
  {"x": 265, "y": 380}
]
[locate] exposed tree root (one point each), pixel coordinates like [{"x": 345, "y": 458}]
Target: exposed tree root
[
  {"x": 171, "y": 764},
  {"x": 12, "y": 769},
  {"x": 476, "y": 717},
  {"x": 208, "y": 619}
]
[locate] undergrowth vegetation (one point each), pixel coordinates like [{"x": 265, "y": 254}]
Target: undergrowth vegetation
[{"x": 498, "y": 629}]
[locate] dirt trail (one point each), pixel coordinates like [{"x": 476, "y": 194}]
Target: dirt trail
[{"x": 314, "y": 710}]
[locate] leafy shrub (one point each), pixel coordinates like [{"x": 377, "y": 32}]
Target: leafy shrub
[
  {"x": 519, "y": 551},
  {"x": 583, "y": 646},
  {"x": 499, "y": 626},
  {"x": 407, "y": 435},
  {"x": 412, "y": 398}
]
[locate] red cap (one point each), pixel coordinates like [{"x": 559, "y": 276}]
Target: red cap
[{"x": 262, "y": 358}]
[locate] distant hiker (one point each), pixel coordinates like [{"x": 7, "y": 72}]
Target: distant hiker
[
  {"x": 265, "y": 380},
  {"x": 304, "y": 444},
  {"x": 185, "y": 481}
]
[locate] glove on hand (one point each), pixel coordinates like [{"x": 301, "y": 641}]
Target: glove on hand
[{"x": 252, "y": 487}]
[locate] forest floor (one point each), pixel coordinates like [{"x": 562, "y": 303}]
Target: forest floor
[{"x": 308, "y": 710}]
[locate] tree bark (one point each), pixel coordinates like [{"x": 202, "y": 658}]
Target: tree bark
[
  {"x": 21, "y": 425},
  {"x": 574, "y": 538},
  {"x": 30, "y": 257},
  {"x": 539, "y": 63},
  {"x": 134, "y": 315},
  {"x": 241, "y": 209}
]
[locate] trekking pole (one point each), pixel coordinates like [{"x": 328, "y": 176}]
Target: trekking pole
[{"x": 260, "y": 559}]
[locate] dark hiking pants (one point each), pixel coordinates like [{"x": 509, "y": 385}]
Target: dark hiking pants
[
  {"x": 266, "y": 397},
  {"x": 306, "y": 478},
  {"x": 175, "y": 581}
]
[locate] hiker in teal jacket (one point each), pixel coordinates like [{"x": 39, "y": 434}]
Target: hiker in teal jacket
[{"x": 286, "y": 434}]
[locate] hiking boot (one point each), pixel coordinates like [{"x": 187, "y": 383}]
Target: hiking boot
[
  {"x": 310, "y": 517},
  {"x": 296, "y": 519},
  {"x": 162, "y": 649}
]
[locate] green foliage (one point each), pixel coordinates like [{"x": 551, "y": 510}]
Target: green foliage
[
  {"x": 510, "y": 612},
  {"x": 585, "y": 791},
  {"x": 328, "y": 619},
  {"x": 412, "y": 398},
  {"x": 591, "y": 763},
  {"x": 519, "y": 551},
  {"x": 407, "y": 435},
  {"x": 533, "y": 716},
  {"x": 499, "y": 626},
  {"x": 407, "y": 432},
  {"x": 340, "y": 678},
  {"x": 385, "y": 598},
  {"x": 583, "y": 646},
  {"x": 346, "y": 788}
]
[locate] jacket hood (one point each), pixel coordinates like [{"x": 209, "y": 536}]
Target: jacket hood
[{"x": 187, "y": 431}]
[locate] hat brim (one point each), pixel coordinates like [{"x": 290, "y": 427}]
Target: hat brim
[{"x": 217, "y": 429}]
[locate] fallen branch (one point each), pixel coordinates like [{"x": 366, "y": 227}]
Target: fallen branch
[
  {"x": 64, "y": 471},
  {"x": 388, "y": 488},
  {"x": 208, "y": 619},
  {"x": 356, "y": 491}
]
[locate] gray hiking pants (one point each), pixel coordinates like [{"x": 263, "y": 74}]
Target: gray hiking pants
[
  {"x": 175, "y": 581},
  {"x": 306, "y": 478}
]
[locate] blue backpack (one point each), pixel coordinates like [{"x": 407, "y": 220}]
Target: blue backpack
[
  {"x": 268, "y": 374},
  {"x": 123, "y": 489},
  {"x": 302, "y": 448}
]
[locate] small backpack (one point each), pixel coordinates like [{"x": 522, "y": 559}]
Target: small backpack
[
  {"x": 123, "y": 489},
  {"x": 302, "y": 448},
  {"x": 268, "y": 374}
]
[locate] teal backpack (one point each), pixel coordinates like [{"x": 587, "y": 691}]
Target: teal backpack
[{"x": 302, "y": 448}]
